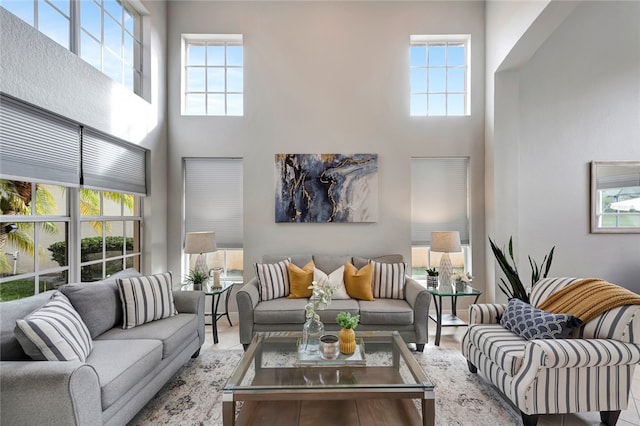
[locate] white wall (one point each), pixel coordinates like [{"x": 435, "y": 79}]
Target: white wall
[
  {"x": 579, "y": 102},
  {"x": 323, "y": 77},
  {"x": 39, "y": 71}
]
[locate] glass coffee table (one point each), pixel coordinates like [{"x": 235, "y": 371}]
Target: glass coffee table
[{"x": 272, "y": 379}]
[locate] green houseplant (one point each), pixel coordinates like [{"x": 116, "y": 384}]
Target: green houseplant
[
  {"x": 432, "y": 277},
  {"x": 515, "y": 287},
  {"x": 196, "y": 278},
  {"x": 347, "y": 336}
]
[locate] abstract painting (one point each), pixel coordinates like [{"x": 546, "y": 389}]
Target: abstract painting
[{"x": 326, "y": 188}]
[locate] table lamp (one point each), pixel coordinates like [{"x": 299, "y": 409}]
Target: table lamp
[
  {"x": 445, "y": 242},
  {"x": 200, "y": 243}
]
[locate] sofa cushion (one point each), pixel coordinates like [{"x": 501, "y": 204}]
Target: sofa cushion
[
  {"x": 385, "y": 311},
  {"x": 280, "y": 311},
  {"x": 359, "y": 262},
  {"x": 54, "y": 332},
  {"x": 329, "y": 263},
  {"x": 335, "y": 280},
  {"x": 388, "y": 280},
  {"x": 300, "y": 280},
  {"x": 146, "y": 299},
  {"x": 122, "y": 364},
  {"x": 532, "y": 323},
  {"x": 103, "y": 316},
  {"x": 173, "y": 332},
  {"x": 358, "y": 281},
  {"x": 328, "y": 315},
  {"x": 500, "y": 345},
  {"x": 273, "y": 279}
]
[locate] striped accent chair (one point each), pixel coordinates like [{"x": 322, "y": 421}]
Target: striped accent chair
[{"x": 590, "y": 371}]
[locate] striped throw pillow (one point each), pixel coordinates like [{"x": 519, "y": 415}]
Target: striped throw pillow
[
  {"x": 273, "y": 279},
  {"x": 55, "y": 332},
  {"x": 146, "y": 299},
  {"x": 388, "y": 280}
]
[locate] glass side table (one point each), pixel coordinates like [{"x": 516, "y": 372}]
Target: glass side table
[
  {"x": 452, "y": 319},
  {"x": 216, "y": 294}
]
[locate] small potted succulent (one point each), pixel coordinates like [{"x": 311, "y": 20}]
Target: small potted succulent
[
  {"x": 347, "y": 334},
  {"x": 432, "y": 277},
  {"x": 460, "y": 280}
]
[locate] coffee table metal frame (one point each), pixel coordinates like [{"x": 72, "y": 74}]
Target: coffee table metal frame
[{"x": 419, "y": 388}]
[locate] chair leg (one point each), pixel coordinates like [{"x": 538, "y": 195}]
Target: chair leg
[
  {"x": 609, "y": 418},
  {"x": 472, "y": 368},
  {"x": 529, "y": 419},
  {"x": 420, "y": 347}
]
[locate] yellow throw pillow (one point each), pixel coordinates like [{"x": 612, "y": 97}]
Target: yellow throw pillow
[
  {"x": 300, "y": 280},
  {"x": 358, "y": 281}
]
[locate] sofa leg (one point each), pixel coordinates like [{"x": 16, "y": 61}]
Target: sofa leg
[
  {"x": 196, "y": 354},
  {"x": 609, "y": 418},
  {"x": 472, "y": 368},
  {"x": 420, "y": 347},
  {"x": 245, "y": 346},
  {"x": 529, "y": 419}
]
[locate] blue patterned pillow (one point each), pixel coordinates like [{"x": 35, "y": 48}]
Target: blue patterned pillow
[{"x": 532, "y": 323}]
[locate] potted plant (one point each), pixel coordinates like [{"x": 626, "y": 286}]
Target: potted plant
[
  {"x": 196, "y": 278},
  {"x": 460, "y": 280},
  {"x": 516, "y": 288},
  {"x": 347, "y": 334},
  {"x": 432, "y": 277}
]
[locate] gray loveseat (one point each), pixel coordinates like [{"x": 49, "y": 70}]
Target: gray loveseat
[
  {"x": 124, "y": 370},
  {"x": 408, "y": 316}
]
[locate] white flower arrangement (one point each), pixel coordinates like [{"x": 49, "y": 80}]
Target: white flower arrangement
[
  {"x": 462, "y": 276},
  {"x": 320, "y": 299}
]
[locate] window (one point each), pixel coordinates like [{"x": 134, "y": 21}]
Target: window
[
  {"x": 105, "y": 33},
  {"x": 213, "y": 202},
  {"x": 110, "y": 40},
  {"x": 439, "y": 202},
  {"x": 70, "y": 201},
  {"x": 109, "y": 233},
  {"x": 36, "y": 238},
  {"x": 212, "y": 78},
  {"x": 439, "y": 75}
]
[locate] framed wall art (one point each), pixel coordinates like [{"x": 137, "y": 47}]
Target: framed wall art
[{"x": 326, "y": 188}]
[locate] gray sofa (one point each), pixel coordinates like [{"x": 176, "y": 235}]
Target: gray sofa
[
  {"x": 125, "y": 369},
  {"x": 408, "y": 316}
]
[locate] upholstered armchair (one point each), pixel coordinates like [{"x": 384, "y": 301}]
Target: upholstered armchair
[{"x": 591, "y": 370}]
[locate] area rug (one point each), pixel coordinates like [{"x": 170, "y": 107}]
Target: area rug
[{"x": 193, "y": 396}]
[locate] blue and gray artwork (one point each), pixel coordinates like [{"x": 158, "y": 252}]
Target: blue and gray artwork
[{"x": 326, "y": 188}]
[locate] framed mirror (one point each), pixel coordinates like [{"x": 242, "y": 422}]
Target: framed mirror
[{"x": 615, "y": 196}]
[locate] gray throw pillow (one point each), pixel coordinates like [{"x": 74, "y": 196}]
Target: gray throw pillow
[{"x": 98, "y": 303}]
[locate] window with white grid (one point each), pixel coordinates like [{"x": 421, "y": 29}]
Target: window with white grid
[
  {"x": 439, "y": 75},
  {"x": 105, "y": 33},
  {"x": 212, "y": 77}
]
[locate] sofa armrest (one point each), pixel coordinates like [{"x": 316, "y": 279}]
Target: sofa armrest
[
  {"x": 419, "y": 298},
  {"x": 191, "y": 302},
  {"x": 577, "y": 353},
  {"x": 247, "y": 297},
  {"x": 486, "y": 313},
  {"x": 49, "y": 392}
]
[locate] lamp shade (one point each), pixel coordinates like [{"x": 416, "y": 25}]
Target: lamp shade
[
  {"x": 445, "y": 241},
  {"x": 200, "y": 242}
]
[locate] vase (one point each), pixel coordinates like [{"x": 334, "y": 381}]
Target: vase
[
  {"x": 347, "y": 341},
  {"x": 311, "y": 332},
  {"x": 432, "y": 282},
  {"x": 459, "y": 286}
]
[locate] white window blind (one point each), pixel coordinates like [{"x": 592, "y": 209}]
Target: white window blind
[
  {"x": 111, "y": 164},
  {"x": 213, "y": 198},
  {"x": 37, "y": 145},
  {"x": 439, "y": 198}
]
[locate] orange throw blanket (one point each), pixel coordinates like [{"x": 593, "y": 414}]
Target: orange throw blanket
[{"x": 588, "y": 298}]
